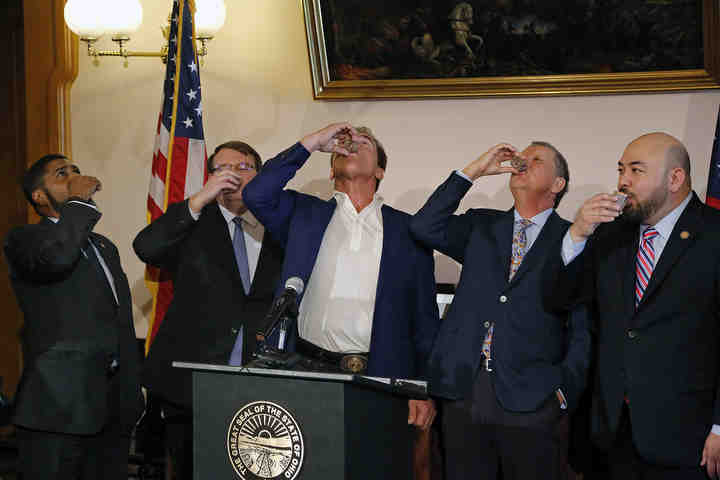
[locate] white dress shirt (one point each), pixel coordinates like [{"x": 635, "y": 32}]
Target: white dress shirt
[
  {"x": 252, "y": 229},
  {"x": 336, "y": 312}
]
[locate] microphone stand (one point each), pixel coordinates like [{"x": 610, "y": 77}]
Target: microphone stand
[{"x": 269, "y": 356}]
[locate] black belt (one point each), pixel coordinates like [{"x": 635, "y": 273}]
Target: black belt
[{"x": 343, "y": 362}]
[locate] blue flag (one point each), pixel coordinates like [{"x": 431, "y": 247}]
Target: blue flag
[{"x": 713, "y": 189}]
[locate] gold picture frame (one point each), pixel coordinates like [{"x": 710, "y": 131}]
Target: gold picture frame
[{"x": 326, "y": 88}]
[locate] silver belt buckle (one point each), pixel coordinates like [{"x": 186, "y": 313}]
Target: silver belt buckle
[{"x": 487, "y": 363}]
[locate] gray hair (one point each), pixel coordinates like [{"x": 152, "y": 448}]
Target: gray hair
[{"x": 561, "y": 168}]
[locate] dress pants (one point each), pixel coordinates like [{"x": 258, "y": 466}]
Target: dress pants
[
  {"x": 61, "y": 456},
  {"x": 178, "y": 441},
  {"x": 483, "y": 439},
  {"x": 625, "y": 463}
]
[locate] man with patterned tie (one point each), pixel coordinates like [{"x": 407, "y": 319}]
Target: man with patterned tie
[
  {"x": 79, "y": 395},
  {"x": 508, "y": 369},
  {"x": 651, "y": 275},
  {"x": 224, "y": 271}
]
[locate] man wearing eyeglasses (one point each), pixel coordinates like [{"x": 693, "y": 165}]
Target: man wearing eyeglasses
[{"x": 224, "y": 270}]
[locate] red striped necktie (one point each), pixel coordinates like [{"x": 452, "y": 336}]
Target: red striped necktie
[{"x": 644, "y": 263}]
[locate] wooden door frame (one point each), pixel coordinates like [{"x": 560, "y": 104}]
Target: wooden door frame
[
  {"x": 51, "y": 67},
  {"x": 50, "y": 58}
]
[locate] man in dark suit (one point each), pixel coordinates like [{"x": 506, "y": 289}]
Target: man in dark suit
[
  {"x": 650, "y": 276},
  {"x": 508, "y": 368},
  {"x": 79, "y": 395},
  {"x": 370, "y": 288},
  {"x": 224, "y": 270}
]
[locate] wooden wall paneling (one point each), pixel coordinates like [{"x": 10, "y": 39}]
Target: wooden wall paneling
[
  {"x": 12, "y": 164},
  {"x": 43, "y": 63},
  {"x": 51, "y": 52}
]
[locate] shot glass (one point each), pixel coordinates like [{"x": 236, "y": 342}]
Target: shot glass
[
  {"x": 345, "y": 140},
  {"x": 518, "y": 163},
  {"x": 620, "y": 199}
]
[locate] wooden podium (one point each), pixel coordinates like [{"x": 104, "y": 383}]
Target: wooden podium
[{"x": 257, "y": 423}]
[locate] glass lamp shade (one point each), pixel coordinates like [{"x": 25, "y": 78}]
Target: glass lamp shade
[
  {"x": 209, "y": 17},
  {"x": 121, "y": 17},
  {"x": 84, "y": 17}
]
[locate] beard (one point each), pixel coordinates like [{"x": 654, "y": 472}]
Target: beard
[
  {"x": 54, "y": 203},
  {"x": 640, "y": 212}
]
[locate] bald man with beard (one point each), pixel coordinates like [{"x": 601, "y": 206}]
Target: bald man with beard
[{"x": 651, "y": 275}]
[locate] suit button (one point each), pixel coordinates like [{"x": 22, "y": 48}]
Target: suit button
[
  {"x": 486, "y": 324},
  {"x": 503, "y": 299},
  {"x": 234, "y": 331},
  {"x": 631, "y": 334}
]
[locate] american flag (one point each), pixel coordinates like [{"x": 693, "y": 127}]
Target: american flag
[
  {"x": 713, "y": 189},
  {"x": 178, "y": 167}
]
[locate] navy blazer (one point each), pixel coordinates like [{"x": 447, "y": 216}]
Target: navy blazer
[
  {"x": 663, "y": 354},
  {"x": 406, "y": 315},
  {"x": 534, "y": 350}
]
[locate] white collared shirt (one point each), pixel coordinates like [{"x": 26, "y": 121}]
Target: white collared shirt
[
  {"x": 252, "y": 229},
  {"x": 336, "y": 312}
]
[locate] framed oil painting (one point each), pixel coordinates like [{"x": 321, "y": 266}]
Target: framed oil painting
[{"x": 372, "y": 49}]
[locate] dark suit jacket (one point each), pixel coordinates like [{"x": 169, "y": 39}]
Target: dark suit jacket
[
  {"x": 209, "y": 303},
  {"x": 534, "y": 351},
  {"x": 406, "y": 314},
  {"x": 73, "y": 328},
  {"x": 664, "y": 354}
]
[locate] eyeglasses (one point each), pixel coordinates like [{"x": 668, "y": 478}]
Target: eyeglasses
[{"x": 237, "y": 167}]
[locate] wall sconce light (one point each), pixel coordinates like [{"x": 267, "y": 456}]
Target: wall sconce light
[{"x": 90, "y": 19}]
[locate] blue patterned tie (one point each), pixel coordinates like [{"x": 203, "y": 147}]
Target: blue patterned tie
[
  {"x": 519, "y": 247},
  {"x": 645, "y": 263}
]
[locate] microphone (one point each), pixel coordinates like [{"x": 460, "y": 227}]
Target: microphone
[{"x": 284, "y": 304}]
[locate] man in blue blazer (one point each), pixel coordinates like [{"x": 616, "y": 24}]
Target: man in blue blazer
[
  {"x": 509, "y": 368},
  {"x": 370, "y": 287}
]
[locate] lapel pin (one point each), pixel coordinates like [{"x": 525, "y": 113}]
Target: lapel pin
[{"x": 684, "y": 234}]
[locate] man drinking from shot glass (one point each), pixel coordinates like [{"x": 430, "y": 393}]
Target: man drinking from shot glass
[
  {"x": 650, "y": 271},
  {"x": 508, "y": 369},
  {"x": 369, "y": 301}
]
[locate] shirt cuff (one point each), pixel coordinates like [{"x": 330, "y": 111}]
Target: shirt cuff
[
  {"x": 459, "y": 172},
  {"x": 194, "y": 215},
  {"x": 570, "y": 248},
  {"x": 84, "y": 203},
  {"x": 715, "y": 429},
  {"x": 563, "y": 400}
]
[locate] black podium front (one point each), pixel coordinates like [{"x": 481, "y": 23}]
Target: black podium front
[{"x": 254, "y": 423}]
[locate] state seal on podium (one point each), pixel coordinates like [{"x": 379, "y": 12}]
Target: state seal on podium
[{"x": 264, "y": 442}]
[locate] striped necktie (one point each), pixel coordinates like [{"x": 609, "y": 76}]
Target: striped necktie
[{"x": 645, "y": 263}]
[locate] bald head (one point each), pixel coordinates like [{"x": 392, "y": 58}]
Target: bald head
[
  {"x": 654, "y": 172},
  {"x": 666, "y": 150}
]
